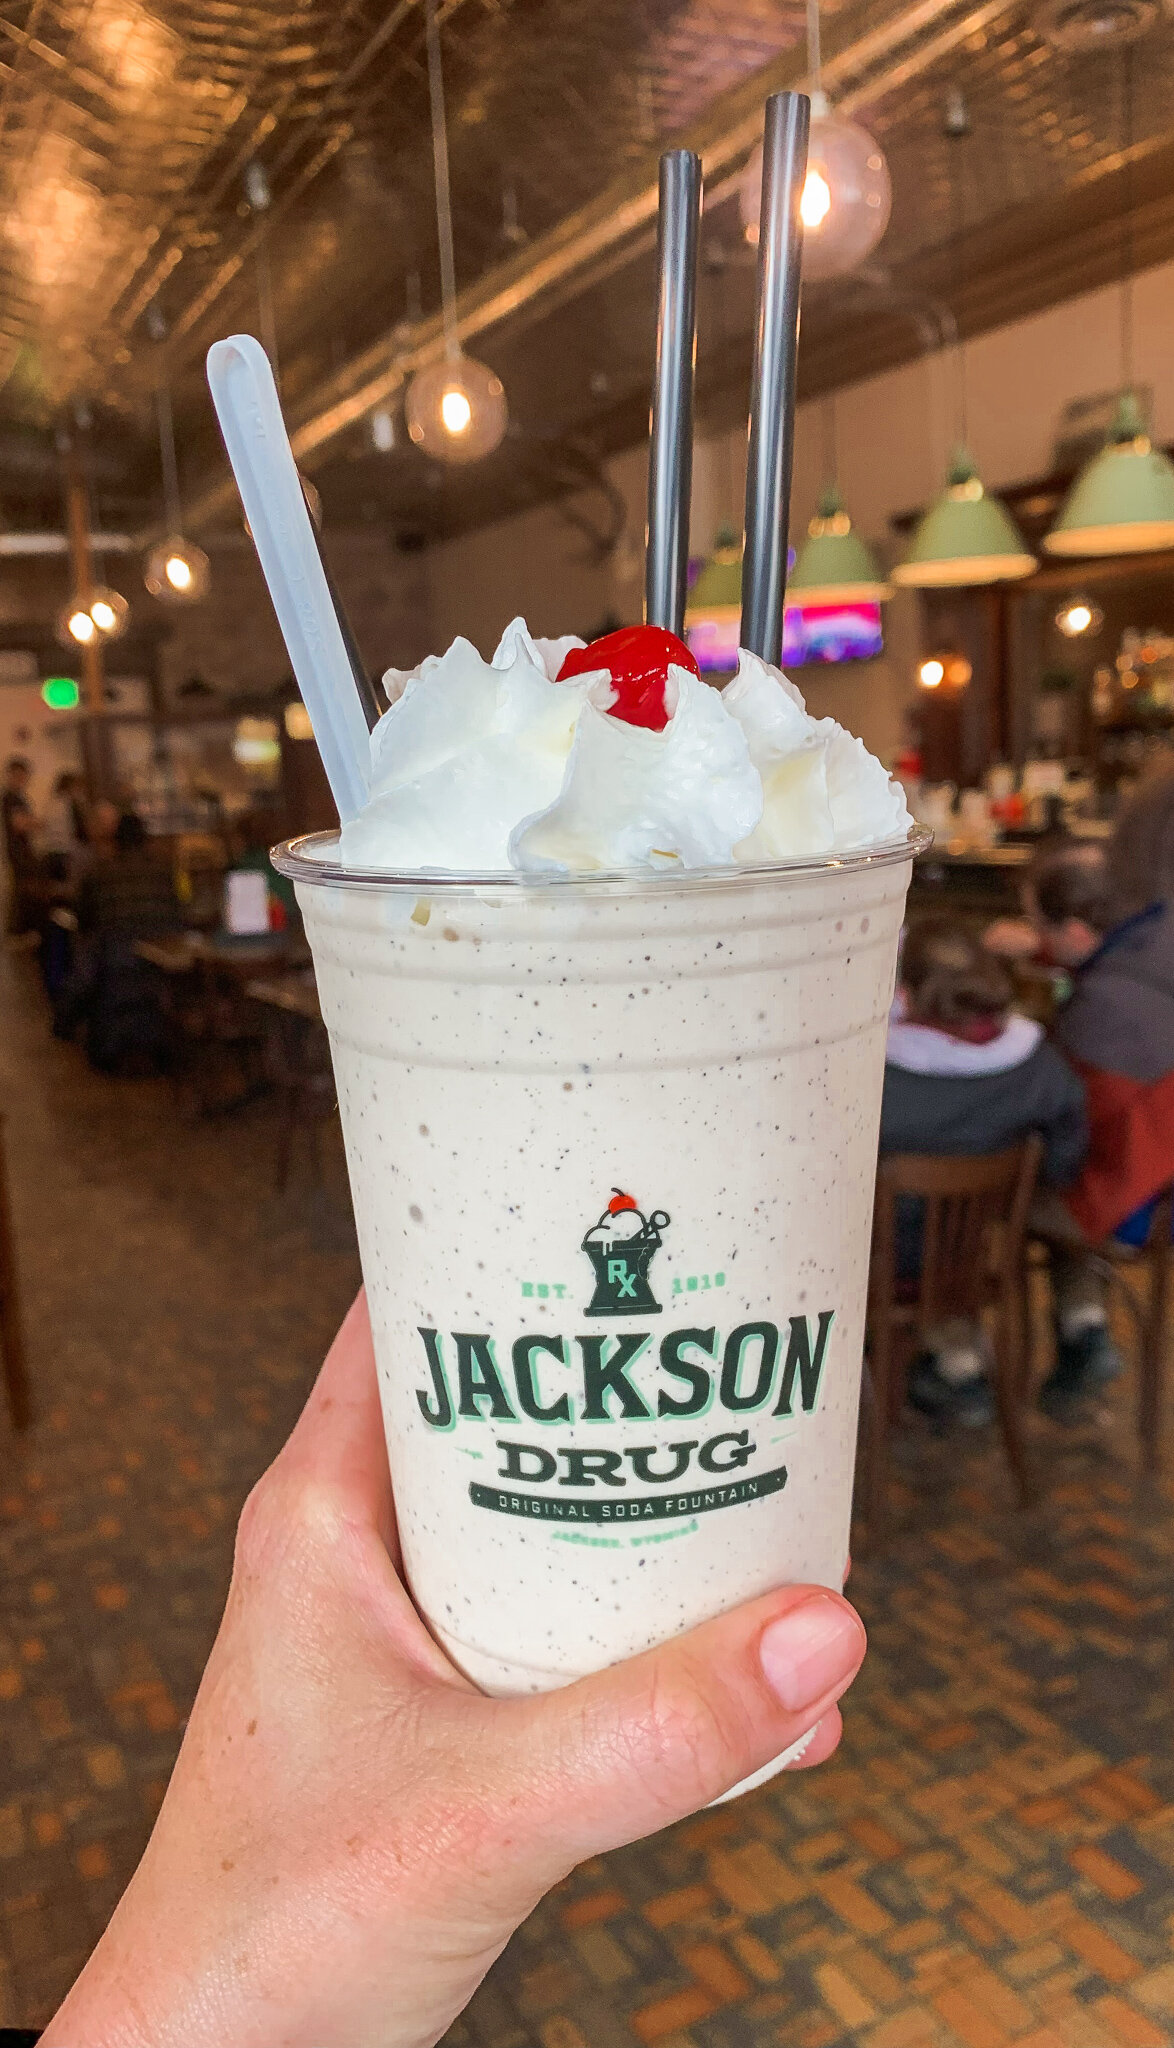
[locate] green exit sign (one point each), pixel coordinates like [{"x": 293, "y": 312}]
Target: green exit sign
[{"x": 61, "y": 693}]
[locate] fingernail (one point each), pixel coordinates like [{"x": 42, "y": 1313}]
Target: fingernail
[{"x": 814, "y": 1650}]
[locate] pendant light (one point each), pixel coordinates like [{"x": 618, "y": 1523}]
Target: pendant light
[
  {"x": 1079, "y": 615},
  {"x": 847, "y": 195},
  {"x": 175, "y": 571},
  {"x": 716, "y": 594},
  {"x": 105, "y": 617},
  {"x": 834, "y": 565},
  {"x": 1122, "y": 503},
  {"x": 455, "y": 408},
  {"x": 966, "y": 537}
]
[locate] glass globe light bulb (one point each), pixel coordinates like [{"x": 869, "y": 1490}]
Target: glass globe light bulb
[
  {"x": 456, "y": 409},
  {"x": 176, "y": 571},
  {"x": 1079, "y": 615},
  {"x": 816, "y": 202},
  {"x": 79, "y": 625},
  {"x": 109, "y": 611},
  {"x": 847, "y": 196},
  {"x": 932, "y": 673}
]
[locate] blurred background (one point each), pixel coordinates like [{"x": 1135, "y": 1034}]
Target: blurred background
[{"x": 982, "y": 587}]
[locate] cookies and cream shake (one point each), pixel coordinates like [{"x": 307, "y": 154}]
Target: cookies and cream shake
[{"x": 606, "y": 996}]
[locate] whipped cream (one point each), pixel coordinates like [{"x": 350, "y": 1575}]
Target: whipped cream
[{"x": 480, "y": 766}]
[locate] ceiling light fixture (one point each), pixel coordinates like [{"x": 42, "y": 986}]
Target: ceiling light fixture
[
  {"x": 847, "y": 196},
  {"x": 1079, "y": 615},
  {"x": 834, "y": 565},
  {"x": 966, "y": 537},
  {"x": 176, "y": 570},
  {"x": 105, "y": 617},
  {"x": 455, "y": 408},
  {"x": 76, "y": 624},
  {"x": 1079, "y": 25},
  {"x": 946, "y": 671},
  {"x": 110, "y": 614},
  {"x": 1122, "y": 503}
]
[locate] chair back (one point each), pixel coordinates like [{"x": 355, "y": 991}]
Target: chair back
[{"x": 971, "y": 1208}]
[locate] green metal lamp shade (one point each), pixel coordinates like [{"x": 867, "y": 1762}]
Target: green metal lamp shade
[
  {"x": 717, "y": 593},
  {"x": 1122, "y": 503},
  {"x": 835, "y": 566},
  {"x": 965, "y": 537}
]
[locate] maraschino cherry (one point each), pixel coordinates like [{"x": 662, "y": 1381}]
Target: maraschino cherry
[
  {"x": 638, "y": 660},
  {"x": 619, "y": 1202}
]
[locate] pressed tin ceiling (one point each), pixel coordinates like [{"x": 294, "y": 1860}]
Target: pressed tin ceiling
[{"x": 127, "y": 130}]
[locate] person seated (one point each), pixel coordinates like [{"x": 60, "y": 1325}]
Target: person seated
[
  {"x": 127, "y": 892},
  {"x": 126, "y": 896},
  {"x": 1065, "y": 899},
  {"x": 965, "y": 1075},
  {"x": 1117, "y": 1030}
]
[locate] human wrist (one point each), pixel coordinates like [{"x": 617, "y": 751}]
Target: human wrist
[{"x": 143, "y": 1988}]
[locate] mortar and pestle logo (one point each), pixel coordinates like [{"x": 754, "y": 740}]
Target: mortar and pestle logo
[{"x": 621, "y": 1247}]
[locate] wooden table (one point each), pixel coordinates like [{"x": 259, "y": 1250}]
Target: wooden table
[
  {"x": 219, "y": 1043},
  {"x": 186, "y": 952},
  {"x": 298, "y": 1063},
  {"x": 295, "y": 993},
  {"x": 973, "y": 880}
]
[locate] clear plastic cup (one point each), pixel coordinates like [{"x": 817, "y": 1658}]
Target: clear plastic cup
[{"x": 612, "y": 1147}]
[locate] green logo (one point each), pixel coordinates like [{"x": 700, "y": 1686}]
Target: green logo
[{"x": 621, "y": 1247}]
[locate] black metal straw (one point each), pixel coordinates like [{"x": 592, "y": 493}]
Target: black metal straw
[
  {"x": 364, "y": 687},
  {"x": 372, "y": 709},
  {"x": 772, "y": 394},
  {"x": 670, "y": 462}
]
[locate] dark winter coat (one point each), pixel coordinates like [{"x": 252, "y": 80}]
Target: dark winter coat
[{"x": 987, "y": 1111}]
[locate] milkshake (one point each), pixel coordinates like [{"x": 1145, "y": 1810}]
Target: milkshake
[{"x": 609, "y": 1080}]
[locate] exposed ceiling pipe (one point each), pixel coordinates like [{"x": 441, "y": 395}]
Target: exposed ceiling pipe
[
  {"x": 872, "y": 60},
  {"x": 50, "y": 543}
]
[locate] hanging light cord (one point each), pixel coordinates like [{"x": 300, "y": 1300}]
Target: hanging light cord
[
  {"x": 448, "y": 273},
  {"x": 167, "y": 461},
  {"x": 957, "y": 219},
  {"x": 814, "y": 58},
  {"x": 265, "y": 307},
  {"x": 831, "y": 465}
]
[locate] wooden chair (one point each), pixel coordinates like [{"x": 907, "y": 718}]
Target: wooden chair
[
  {"x": 300, "y": 1067},
  {"x": 975, "y": 1220},
  {"x": 1150, "y": 1315},
  {"x": 12, "y": 1354}
]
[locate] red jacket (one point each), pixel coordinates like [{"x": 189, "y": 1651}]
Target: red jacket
[{"x": 1118, "y": 1031}]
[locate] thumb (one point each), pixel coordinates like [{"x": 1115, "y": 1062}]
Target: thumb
[{"x": 644, "y": 1743}]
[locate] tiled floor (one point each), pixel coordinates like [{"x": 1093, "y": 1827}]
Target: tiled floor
[{"x": 989, "y": 1861}]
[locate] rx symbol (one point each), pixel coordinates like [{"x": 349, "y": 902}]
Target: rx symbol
[{"x": 619, "y": 1277}]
